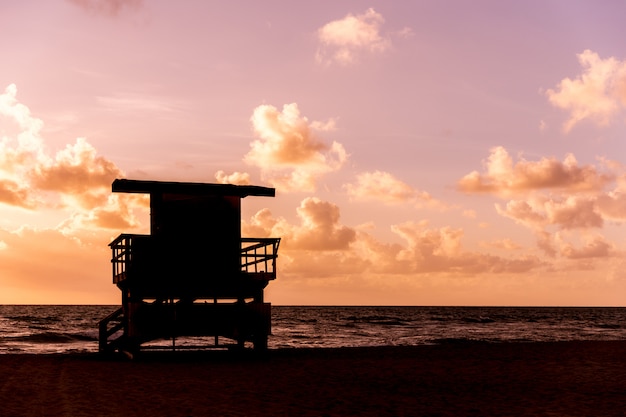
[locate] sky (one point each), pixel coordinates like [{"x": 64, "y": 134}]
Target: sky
[{"x": 423, "y": 152}]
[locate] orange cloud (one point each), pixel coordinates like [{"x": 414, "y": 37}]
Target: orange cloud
[
  {"x": 75, "y": 179},
  {"x": 118, "y": 212},
  {"x": 440, "y": 251},
  {"x": 384, "y": 187},
  {"x": 503, "y": 177},
  {"x": 319, "y": 230},
  {"x": 321, "y": 246},
  {"x": 342, "y": 40},
  {"x": 612, "y": 205},
  {"x": 597, "y": 247},
  {"x": 77, "y": 171},
  {"x": 289, "y": 155},
  {"x": 568, "y": 213},
  {"x": 557, "y": 197},
  {"x": 586, "y": 248},
  {"x": 12, "y": 194},
  {"x": 71, "y": 192},
  {"x": 237, "y": 178},
  {"x": 598, "y": 94}
]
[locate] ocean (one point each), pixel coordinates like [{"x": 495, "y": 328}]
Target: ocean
[{"x": 40, "y": 329}]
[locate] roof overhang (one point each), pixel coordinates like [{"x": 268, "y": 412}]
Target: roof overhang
[{"x": 190, "y": 188}]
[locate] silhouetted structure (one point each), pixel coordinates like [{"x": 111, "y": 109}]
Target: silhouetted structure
[{"x": 194, "y": 275}]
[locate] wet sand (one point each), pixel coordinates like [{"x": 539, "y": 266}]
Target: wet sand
[{"x": 473, "y": 379}]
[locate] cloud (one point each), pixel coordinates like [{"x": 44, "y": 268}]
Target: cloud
[
  {"x": 237, "y": 178},
  {"x": 77, "y": 172},
  {"x": 75, "y": 179},
  {"x": 109, "y": 8},
  {"x": 320, "y": 246},
  {"x": 384, "y": 187},
  {"x": 597, "y": 247},
  {"x": 559, "y": 202},
  {"x": 319, "y": 228},
  {"x": 598, "y": 94},
  {"x": 117, "y": 212},
  {"x": 68, "y": 193},
  {"x": 612, "y": 205},
  {"x": 341, "y": 41},
  {"x": 563, "y": 194},
  {"x": 25, "y": 143},
  {"x": 503, "y": 177},
  {"x": 585, "y": 248},
  {"x": 13, "y": 194},
  {"x": 288, "y": 153},
  {"x": 567, "y": 213},
  {"x": 440, "y": 250}
]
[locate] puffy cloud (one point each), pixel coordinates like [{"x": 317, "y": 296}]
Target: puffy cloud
[
  {"x": 317, "y": 247},
  {"x": 13, "y": 194},
  {"x": 573, "y": 212},
  {"x": 585, "y": 247},
  {"x": 342, "y": 40},
  {"x": 545, "y": 243},
  {"x": 440, "y": 251},
  {"x": 598, "y": 94},
  {"x": 504, "y": 177},
  {"x": 118, "y": 212},
  {"x": 320, "y": 228},
  {"x": 107, "y": 7},
  {"x": 555, "y": 198},
  {"x": 612, "y": 205},
  {"x": 77, "y": 172},
  {"x": 567, "y": 213},
  {"x": 596, "y": 247},
  {"x": 262, "y": 224},
  {"x": 25, "y": 144},
  {"x": 523, "y": 212},
  {"x": 69, "y": 192},
  {"x": 237, "y": 178},
  {"x": 75, "y": 179},
  {"x": 289, "y": 155},
  {"x": 384, "y": 187},
  {"x": 320, "y": 246}
]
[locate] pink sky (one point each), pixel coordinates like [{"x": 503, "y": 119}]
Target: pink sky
[{"x": 423, "y": 153}]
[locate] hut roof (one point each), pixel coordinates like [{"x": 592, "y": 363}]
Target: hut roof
[{"x": 190, "y": 188}]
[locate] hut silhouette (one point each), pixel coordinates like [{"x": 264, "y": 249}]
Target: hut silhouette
[{"x": 193, "y": 275}]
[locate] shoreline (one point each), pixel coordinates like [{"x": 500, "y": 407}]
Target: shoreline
[{"x": 577, "y": 378}]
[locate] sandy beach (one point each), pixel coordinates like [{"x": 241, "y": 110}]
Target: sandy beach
[{"x": 473, "y": 379}]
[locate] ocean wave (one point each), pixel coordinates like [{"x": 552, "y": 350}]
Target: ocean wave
[
  {"x": 49, "y": 337},
  {"x": 47, "y": 329}
]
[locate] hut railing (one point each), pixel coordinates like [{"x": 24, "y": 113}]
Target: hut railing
[
  {"x": 122, "y": 256},
  {"x": 258, "y": 256}
]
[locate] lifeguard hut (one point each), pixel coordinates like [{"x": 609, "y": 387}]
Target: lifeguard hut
[{"x": 193, "y": 275}]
